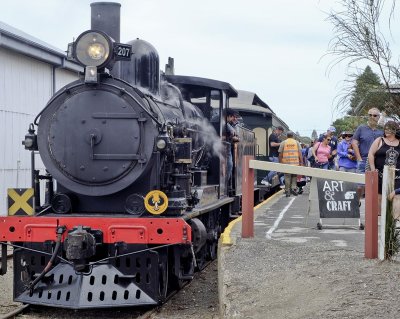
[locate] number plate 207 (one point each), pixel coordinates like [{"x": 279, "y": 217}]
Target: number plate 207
[{"x": 123, "y": 51}]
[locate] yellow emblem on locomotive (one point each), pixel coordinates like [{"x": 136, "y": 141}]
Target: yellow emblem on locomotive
[{"x": 156, "y": 202}]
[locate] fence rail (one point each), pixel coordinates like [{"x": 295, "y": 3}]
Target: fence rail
[
  {"x": 370, "y": 179},
  {"x": 308, "y": 171}
]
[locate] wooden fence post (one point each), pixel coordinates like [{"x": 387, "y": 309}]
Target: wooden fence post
[
  {"x": 371, "y": 215},
  {"x": 387, "y": 187},
  {"x": 247, "y": 198}
]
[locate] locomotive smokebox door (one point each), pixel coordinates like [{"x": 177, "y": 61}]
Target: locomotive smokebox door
[
  {"x": 183, "y": 150},
  {"x": 93, "y": 139}
]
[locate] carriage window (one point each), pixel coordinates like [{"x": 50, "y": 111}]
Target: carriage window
[
  {"x": 215, "y": 105},
  {"x": 208, "y": 101}
]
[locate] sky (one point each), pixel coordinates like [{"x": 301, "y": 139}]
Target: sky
[{"x": 276, "y": 49}]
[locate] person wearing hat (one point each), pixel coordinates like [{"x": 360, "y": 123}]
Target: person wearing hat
[
  {"x": 274, "y": 141},
  {"x": 347, "y": 160},
  {"x": 333, "y": 143}
]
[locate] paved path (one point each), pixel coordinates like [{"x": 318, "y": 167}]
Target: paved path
[
  {"x": 290, "y": 269},
  {"x": 287, "y": 220}
]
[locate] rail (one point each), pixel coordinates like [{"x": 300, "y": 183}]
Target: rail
[{"x": 370, "y": 179}]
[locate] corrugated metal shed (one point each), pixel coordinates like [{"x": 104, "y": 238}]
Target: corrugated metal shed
[
  {"x": 258, "y": 116},
  {"x": 30, "y": 72},
  {"x": 250, "y": 101}
]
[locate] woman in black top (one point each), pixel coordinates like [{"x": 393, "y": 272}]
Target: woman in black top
[{"x": 386, "y": 151}]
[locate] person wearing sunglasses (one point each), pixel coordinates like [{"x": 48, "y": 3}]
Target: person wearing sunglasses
[
  {"x": 322, "y": 153},
  {"x": 386, "y": 151},
  {"x": 347, "y": 160},
  {"x": 333, "y": 143},
  {"x": 363, "y": 138}
]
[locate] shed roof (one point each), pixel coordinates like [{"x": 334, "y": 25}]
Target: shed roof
[
  {"x": 17, "y": 40},
  {"x": 251, "y": 101}
]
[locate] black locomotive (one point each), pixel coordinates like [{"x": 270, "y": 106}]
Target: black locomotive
[{"x": 137, "y": 193}]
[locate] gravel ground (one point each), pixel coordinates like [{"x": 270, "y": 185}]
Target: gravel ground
[
  {"x": 198, "y": 300},
  {"x": 308, "y": 281}
]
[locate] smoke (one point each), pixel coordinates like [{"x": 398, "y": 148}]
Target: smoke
[
  {"x": 202, "y": 131},
  {"x": 170, "y": 94},
  {"x": 206, "y": 135}
]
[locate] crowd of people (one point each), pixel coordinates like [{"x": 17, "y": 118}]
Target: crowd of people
[{"x": 368, "y": 148}]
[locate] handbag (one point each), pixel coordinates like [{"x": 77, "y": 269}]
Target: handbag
[{"x": 311, "y": 159}]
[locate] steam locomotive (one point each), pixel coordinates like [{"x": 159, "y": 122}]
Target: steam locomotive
[{"x": 136, "y": 185}]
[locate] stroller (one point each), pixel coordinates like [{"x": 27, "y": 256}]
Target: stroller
[{"x": 301, "y": 182}]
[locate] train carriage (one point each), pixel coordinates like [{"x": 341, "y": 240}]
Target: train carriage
[{"x": 258, "y": 117}]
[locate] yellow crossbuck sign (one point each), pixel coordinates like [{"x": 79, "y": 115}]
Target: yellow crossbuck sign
[{"x": 20, "y": 201}]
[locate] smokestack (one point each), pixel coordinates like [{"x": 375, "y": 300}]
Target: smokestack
[{"x": 106, "y": 16}]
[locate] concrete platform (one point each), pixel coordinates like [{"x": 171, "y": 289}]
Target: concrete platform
[{"x": 290, "y": 269}]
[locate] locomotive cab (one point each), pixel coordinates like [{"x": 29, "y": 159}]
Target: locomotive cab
[{"x": 211, "y": 97}]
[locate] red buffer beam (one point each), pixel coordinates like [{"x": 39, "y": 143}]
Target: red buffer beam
[{"x": 128, "y": 230}]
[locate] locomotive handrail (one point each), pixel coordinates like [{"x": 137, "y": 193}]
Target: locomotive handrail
[
  {"x": 135, "y": 99},
  {"x": 107, "y": 84},
  {"x": 52, "y": 99}
]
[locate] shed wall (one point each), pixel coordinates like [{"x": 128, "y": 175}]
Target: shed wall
[{"x": 26, "y": 85}]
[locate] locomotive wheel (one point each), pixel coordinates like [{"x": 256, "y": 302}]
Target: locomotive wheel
[
  {"x": 201, "y": 258},
  {"x": 174, "y": 281},
  {"x": 212, "y": 244},
  {"x": 214, "y": 230},
  {"x": 212, "y": 251}
]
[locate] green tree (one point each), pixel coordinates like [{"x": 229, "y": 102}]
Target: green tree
[
  {"x": 361, "y": 32},
  {"x": 314, "y": 135},
  {"x": 348, "y": 123},
  {"x": 368, "y": 92},
  {"x": 305, "y": 140}
]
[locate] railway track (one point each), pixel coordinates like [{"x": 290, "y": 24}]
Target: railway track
[
  {"x": 15, "y": 312},
  {"x": 35, "y": 311}
]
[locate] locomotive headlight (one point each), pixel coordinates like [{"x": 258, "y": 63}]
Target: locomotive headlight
[
  {"x": 96, "y": 51},
  {"x": 93, "y": 48}
]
